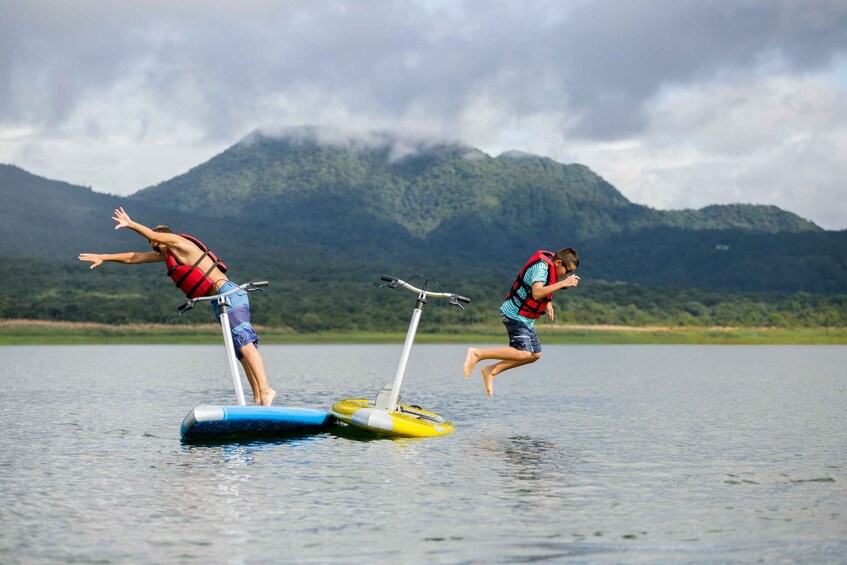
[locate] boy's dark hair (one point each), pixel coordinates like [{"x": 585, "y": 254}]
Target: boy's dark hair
[
  {"x": 162, "y": 228},
  {"x": 568, "y": 256}
]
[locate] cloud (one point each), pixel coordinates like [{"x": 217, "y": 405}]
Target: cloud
[
  {"x": 605, "y": 59},
  {"x": 617, "y": 56},
  {"x": 396, "y": 144},
  {"x": 774, "y": 140},
  {"x": 657, "y": 96}
]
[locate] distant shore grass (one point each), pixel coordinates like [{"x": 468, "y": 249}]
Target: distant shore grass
[{"x": 33, "y": 332}]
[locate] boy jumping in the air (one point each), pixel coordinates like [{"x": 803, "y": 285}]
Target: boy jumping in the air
[{"x": 530, "y": 296}]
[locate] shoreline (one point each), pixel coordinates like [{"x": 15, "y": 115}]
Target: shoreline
[{"x": 44, "y": 332}]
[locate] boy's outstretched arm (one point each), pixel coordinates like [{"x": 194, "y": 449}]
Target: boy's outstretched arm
[
  {"x": 122, "y": 220},
  {"x": 96, "y": 259}
]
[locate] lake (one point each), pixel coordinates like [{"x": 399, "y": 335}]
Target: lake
[{"x": 595, "y": 454}]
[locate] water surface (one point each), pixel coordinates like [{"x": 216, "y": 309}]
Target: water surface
[{"x": 595, "y": 454}]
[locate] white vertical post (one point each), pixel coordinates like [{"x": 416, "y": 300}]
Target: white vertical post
[
  {"x": 223, "y": 307},
  {"x": 404, "y": 359}
]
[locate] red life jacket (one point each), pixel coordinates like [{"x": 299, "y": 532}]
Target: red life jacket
[
  {"x": 192, "y": 280},
  {"x": 528, "y": 306}
]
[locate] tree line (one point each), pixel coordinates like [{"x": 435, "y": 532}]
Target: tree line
[{"x": 311, "y": 300}]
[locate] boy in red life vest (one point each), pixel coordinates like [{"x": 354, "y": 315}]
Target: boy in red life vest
[
  {"x": 197, "y": 272},
  {"x": 531, "y": 296}
]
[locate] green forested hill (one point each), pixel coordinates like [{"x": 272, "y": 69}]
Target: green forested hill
[
  {"x": 323, "y": 219},
  {"x": 36, "y": 214},
  {"x": 418, "y": 187},
  {"x": 292, "y": 176},
  {"x": 51, "y": 219},
  {"x": 449, "y": 204}
]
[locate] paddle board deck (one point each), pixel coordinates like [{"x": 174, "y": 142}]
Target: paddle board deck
[
  {"x": 406, "y": 421},
  {"x": 210, "y": 422}
]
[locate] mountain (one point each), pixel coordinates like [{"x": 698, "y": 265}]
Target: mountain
[
  {"x": 419, "y": 186},
  {"x": 57, "y": 220},
  {"x": 37, "y": 211},
  {"x": 308, "y": 204}
]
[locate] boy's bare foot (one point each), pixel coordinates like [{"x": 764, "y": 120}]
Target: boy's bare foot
[
  {"x": 488, "y": 379},
  {"x": 470, "y": 361},
  {"x": 268, "y": 395}
]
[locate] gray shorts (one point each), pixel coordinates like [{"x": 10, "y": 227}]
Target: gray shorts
[{"x": 521, "y": 336}]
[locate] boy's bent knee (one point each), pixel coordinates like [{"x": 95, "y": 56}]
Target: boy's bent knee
[
  {"x": 524, "y": 355},
  {"x": 535, "y": 357}
]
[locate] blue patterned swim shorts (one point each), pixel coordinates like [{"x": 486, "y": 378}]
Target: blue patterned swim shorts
[{"x": 239, "y": 318}]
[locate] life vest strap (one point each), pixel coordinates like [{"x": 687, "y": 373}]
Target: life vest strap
[
  {"x": 193, "y": 275},
  {"x": 194, "y": 266},
  {"x": 202, "y": 279},
  {"x": 220, "y": 264}
]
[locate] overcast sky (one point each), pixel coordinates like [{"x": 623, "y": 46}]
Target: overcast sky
[{"x": 677, "y": 103}]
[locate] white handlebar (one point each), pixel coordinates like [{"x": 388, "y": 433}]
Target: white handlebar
[
  {"x": 248, "y": 286},
  {"x": 394, "y": 282}
]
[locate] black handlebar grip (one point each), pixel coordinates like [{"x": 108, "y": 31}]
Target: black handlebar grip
[
  {"x": 386, "y": 278},
  {"x": 464, "y": 299}
]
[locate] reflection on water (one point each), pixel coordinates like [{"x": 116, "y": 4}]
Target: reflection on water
[
  {"x": 531, "y": 458},
  {"x": 527, "y": 459},
  {"x": 634, "y": 454}
]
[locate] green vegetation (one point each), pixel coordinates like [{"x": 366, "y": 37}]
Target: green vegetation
[
  {"x": 122, "y": 298},
  {"x": 29, "y": 333},
  {"x": 322, "y": 221},
  {"x": 420, "y": 185}
]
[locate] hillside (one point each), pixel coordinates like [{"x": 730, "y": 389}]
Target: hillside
[
  {"x": 37, "y": 213},
  {"x": 283, "y": 206},
  {"x": 307, "y": 175},
  {"x": 52, "y": 219}
]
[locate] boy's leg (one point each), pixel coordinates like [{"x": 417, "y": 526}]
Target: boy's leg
[
  {"x": 253, "y": 365},
  {"x": 523, "y": 348},
  {"x": 244, "y": 339},
  {"x": 251, "y": 378},
  {"x": 491, "y": 371},
  {"x": 505, "y": 353}
]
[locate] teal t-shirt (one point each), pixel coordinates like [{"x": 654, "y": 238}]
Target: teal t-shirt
[{"x": 537, "y": 272}]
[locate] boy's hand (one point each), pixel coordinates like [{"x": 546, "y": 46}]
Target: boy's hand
[
  {"x": 93, "y": 258},
  {"x": 570, "y": 282},
  {"x": 122, "y": 218},
  {"x": 550, "y": 313}
]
